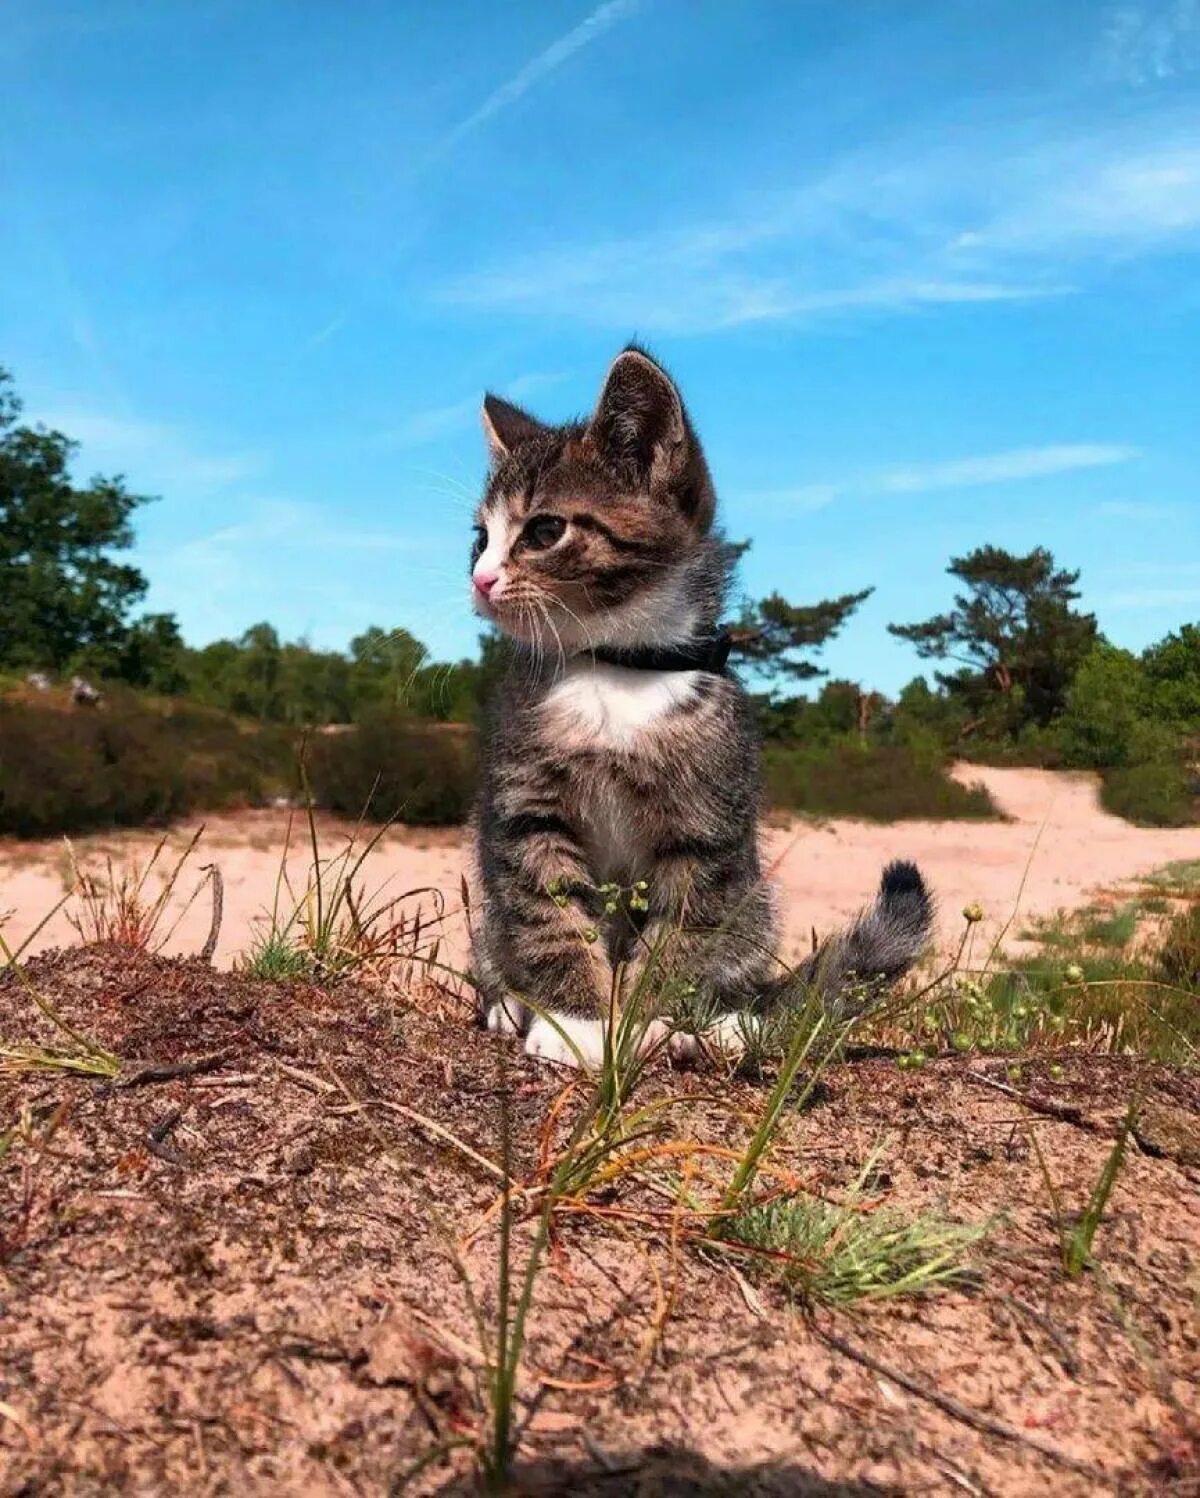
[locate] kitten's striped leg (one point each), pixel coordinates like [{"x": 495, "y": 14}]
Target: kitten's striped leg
[{"x": 547, "y": 947}]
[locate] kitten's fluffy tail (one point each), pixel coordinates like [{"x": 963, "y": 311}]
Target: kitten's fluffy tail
[{"x": 851, "y": 969}]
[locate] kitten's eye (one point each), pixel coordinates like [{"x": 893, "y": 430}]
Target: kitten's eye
[
  {"x": 478, "y": 544},
  {"x": 543, "y": 531}
]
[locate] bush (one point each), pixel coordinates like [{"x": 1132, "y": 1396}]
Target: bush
[
  {"x": 396, "y": 766},
  {"x": 1155, "y": 793},
  {"x": 1179, "y": 955},
  {"x": 881, "y": 782},
  {"x": 66, "y": 769}
]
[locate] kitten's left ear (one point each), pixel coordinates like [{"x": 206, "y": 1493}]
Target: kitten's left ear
[
  {"x": 506, "y": 426},
  {"x": 638, "y": 423},
  {"x": 640, "y": 427}
]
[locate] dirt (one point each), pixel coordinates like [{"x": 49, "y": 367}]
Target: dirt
[
  {"x": 1056, "y": 850},
  {"x": 243, "y": 1279}
]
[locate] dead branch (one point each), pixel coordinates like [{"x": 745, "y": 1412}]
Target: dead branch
[
  {"x": 985, "y": 1424},
  {"x": 169, "y": 1072}
]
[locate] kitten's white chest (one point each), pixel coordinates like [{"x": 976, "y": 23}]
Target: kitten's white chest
[{"x": 613, "y": 705}]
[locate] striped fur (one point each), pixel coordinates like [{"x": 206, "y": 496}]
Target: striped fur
[{"x": 601, "y": 533}]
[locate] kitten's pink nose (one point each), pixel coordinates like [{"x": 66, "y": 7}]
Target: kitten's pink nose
[{"x": 485, "y": 581}]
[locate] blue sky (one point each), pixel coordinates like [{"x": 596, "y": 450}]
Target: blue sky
[{"x": 928, "y": 275}]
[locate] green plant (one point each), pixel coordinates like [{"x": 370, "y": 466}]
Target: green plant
[
  {"x": 835, "y": 1254},
  {"x": 128, "y": 762},
  {"x": 884, "y": 782},
  {"x": 1179, "y": 954},
  {"x": 1076, "y": 1237},
  {"x": 118, "y": 910},
  {"x": 334, "y": 926},
  {"x": 398, "y": 767},
  {"x": 80, "y": 1054},
  {"x": 1153, "y": 793}
]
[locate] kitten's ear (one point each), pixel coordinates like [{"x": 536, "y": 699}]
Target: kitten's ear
[
  {"x": 638, "y": 423},
  {"x": 506, "y": 426}
]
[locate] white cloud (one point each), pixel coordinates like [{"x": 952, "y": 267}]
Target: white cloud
[
  {"x": 417, "y": 428},
  {"x": 1003, "y": 467},
  {"x": 1014, "y": 465},
  {"x": 923, "y": 221},
  {"x": 1134, "y": 509},
  {"x": 550, "y": 60},
  {"x": 284, "y": 522},
  {"x": 803, "y": 498},
  {"x": 1151, "y": 42},
  {"x": 150, "y": 454},
  {"x": 1153, "y": 598}
]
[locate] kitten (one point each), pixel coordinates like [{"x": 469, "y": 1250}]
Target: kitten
[{"x": 621, "y": 750}]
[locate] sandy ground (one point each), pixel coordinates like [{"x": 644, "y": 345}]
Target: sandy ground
[
  {"x": 1057, "y": 838},
  {"x": 231, "y": 1271}
]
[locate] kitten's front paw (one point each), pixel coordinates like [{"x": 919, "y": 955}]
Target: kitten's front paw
[
  {"x": 506, "y": 1018},
  {"x": 726, "y": 1038},
  {"x": 580, "y": 1043}
]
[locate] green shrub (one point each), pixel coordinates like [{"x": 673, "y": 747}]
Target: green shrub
[
  {"x": 1155, "y": 793},
  {"x": 1179, "y": 955},
  {"x": 396, "y": 766},
  {"x": 129, "y": 761},
  {"x": 880, "y": 782}
]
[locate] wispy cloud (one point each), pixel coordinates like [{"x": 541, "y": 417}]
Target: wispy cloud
[
  {"x": 593, "y": 26},
  {"x": 434, "y": 422},
  {"x": 1014, "y": 465},
  {"x": 1150, "y": 42},
  {"x": 149, "y": 453},
  {"x": 1134, "y": 509},
  {"x": 1152, "y": 598},
  {"x": 1003, "y": 467},
  {"x": 319, "y": 568},
  {"x": 913, "y": 223},
  {"x": 291, "y": 523}
]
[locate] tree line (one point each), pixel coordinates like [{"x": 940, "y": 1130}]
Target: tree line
[{"x": 1018, "y": 662}]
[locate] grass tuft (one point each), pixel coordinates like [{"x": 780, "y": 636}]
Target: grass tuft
[{"x": 837, "y": 1254}]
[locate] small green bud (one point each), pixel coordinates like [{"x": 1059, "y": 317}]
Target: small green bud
[
  {"x": 961, "y": 1041},
  {"x": 973, "y": 913},
  {"x": 1073, "y": 973},
  {"x": 590, "y": 934},
  {"x": 918, "y": 1058}
]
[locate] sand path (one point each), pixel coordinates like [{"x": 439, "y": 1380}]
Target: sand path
[{"x": 1057, "y": 829}]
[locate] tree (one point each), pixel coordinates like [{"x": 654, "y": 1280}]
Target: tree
[
  {"x": 385, "y": 664},
  {"x": 1173, "y": 672},
  {"x": 62, "y": 591},
  {"x": 773, "y": 636},
  {"x": 1105, "y": 706},
  {"x": 1014, "y": 632}
]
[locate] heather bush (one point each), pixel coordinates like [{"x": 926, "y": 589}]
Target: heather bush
[
  {"x": 393, "y": 766},
  {"x": 129, "y": 761},
  {"x": 882, "y": 782}
]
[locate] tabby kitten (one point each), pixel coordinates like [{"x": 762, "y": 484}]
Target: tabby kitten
[{"x": 621, "y": 750}]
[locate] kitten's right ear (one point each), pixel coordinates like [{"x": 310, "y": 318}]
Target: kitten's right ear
[{"x": 506, "y": 426}]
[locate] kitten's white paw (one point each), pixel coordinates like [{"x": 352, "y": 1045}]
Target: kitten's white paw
[
  {"x": 506, "y": 1018},
  {"x": 580, "y": 1041},
  {"x": 725, "y": 1038},
  {"x": 684, "y": 1049}
]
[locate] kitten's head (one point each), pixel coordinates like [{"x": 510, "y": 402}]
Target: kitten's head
[{"x": 599, "y": 532}]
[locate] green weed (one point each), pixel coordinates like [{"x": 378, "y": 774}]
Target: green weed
[
  {"x": 837, "y": 1254},
  {"x": 1076, "y": 1236}
]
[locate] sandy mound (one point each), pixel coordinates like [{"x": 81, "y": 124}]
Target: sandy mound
[{"x": 239, "y": 1280}]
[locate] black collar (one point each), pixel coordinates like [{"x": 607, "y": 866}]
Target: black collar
[{"x": 708, "y": 654}]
